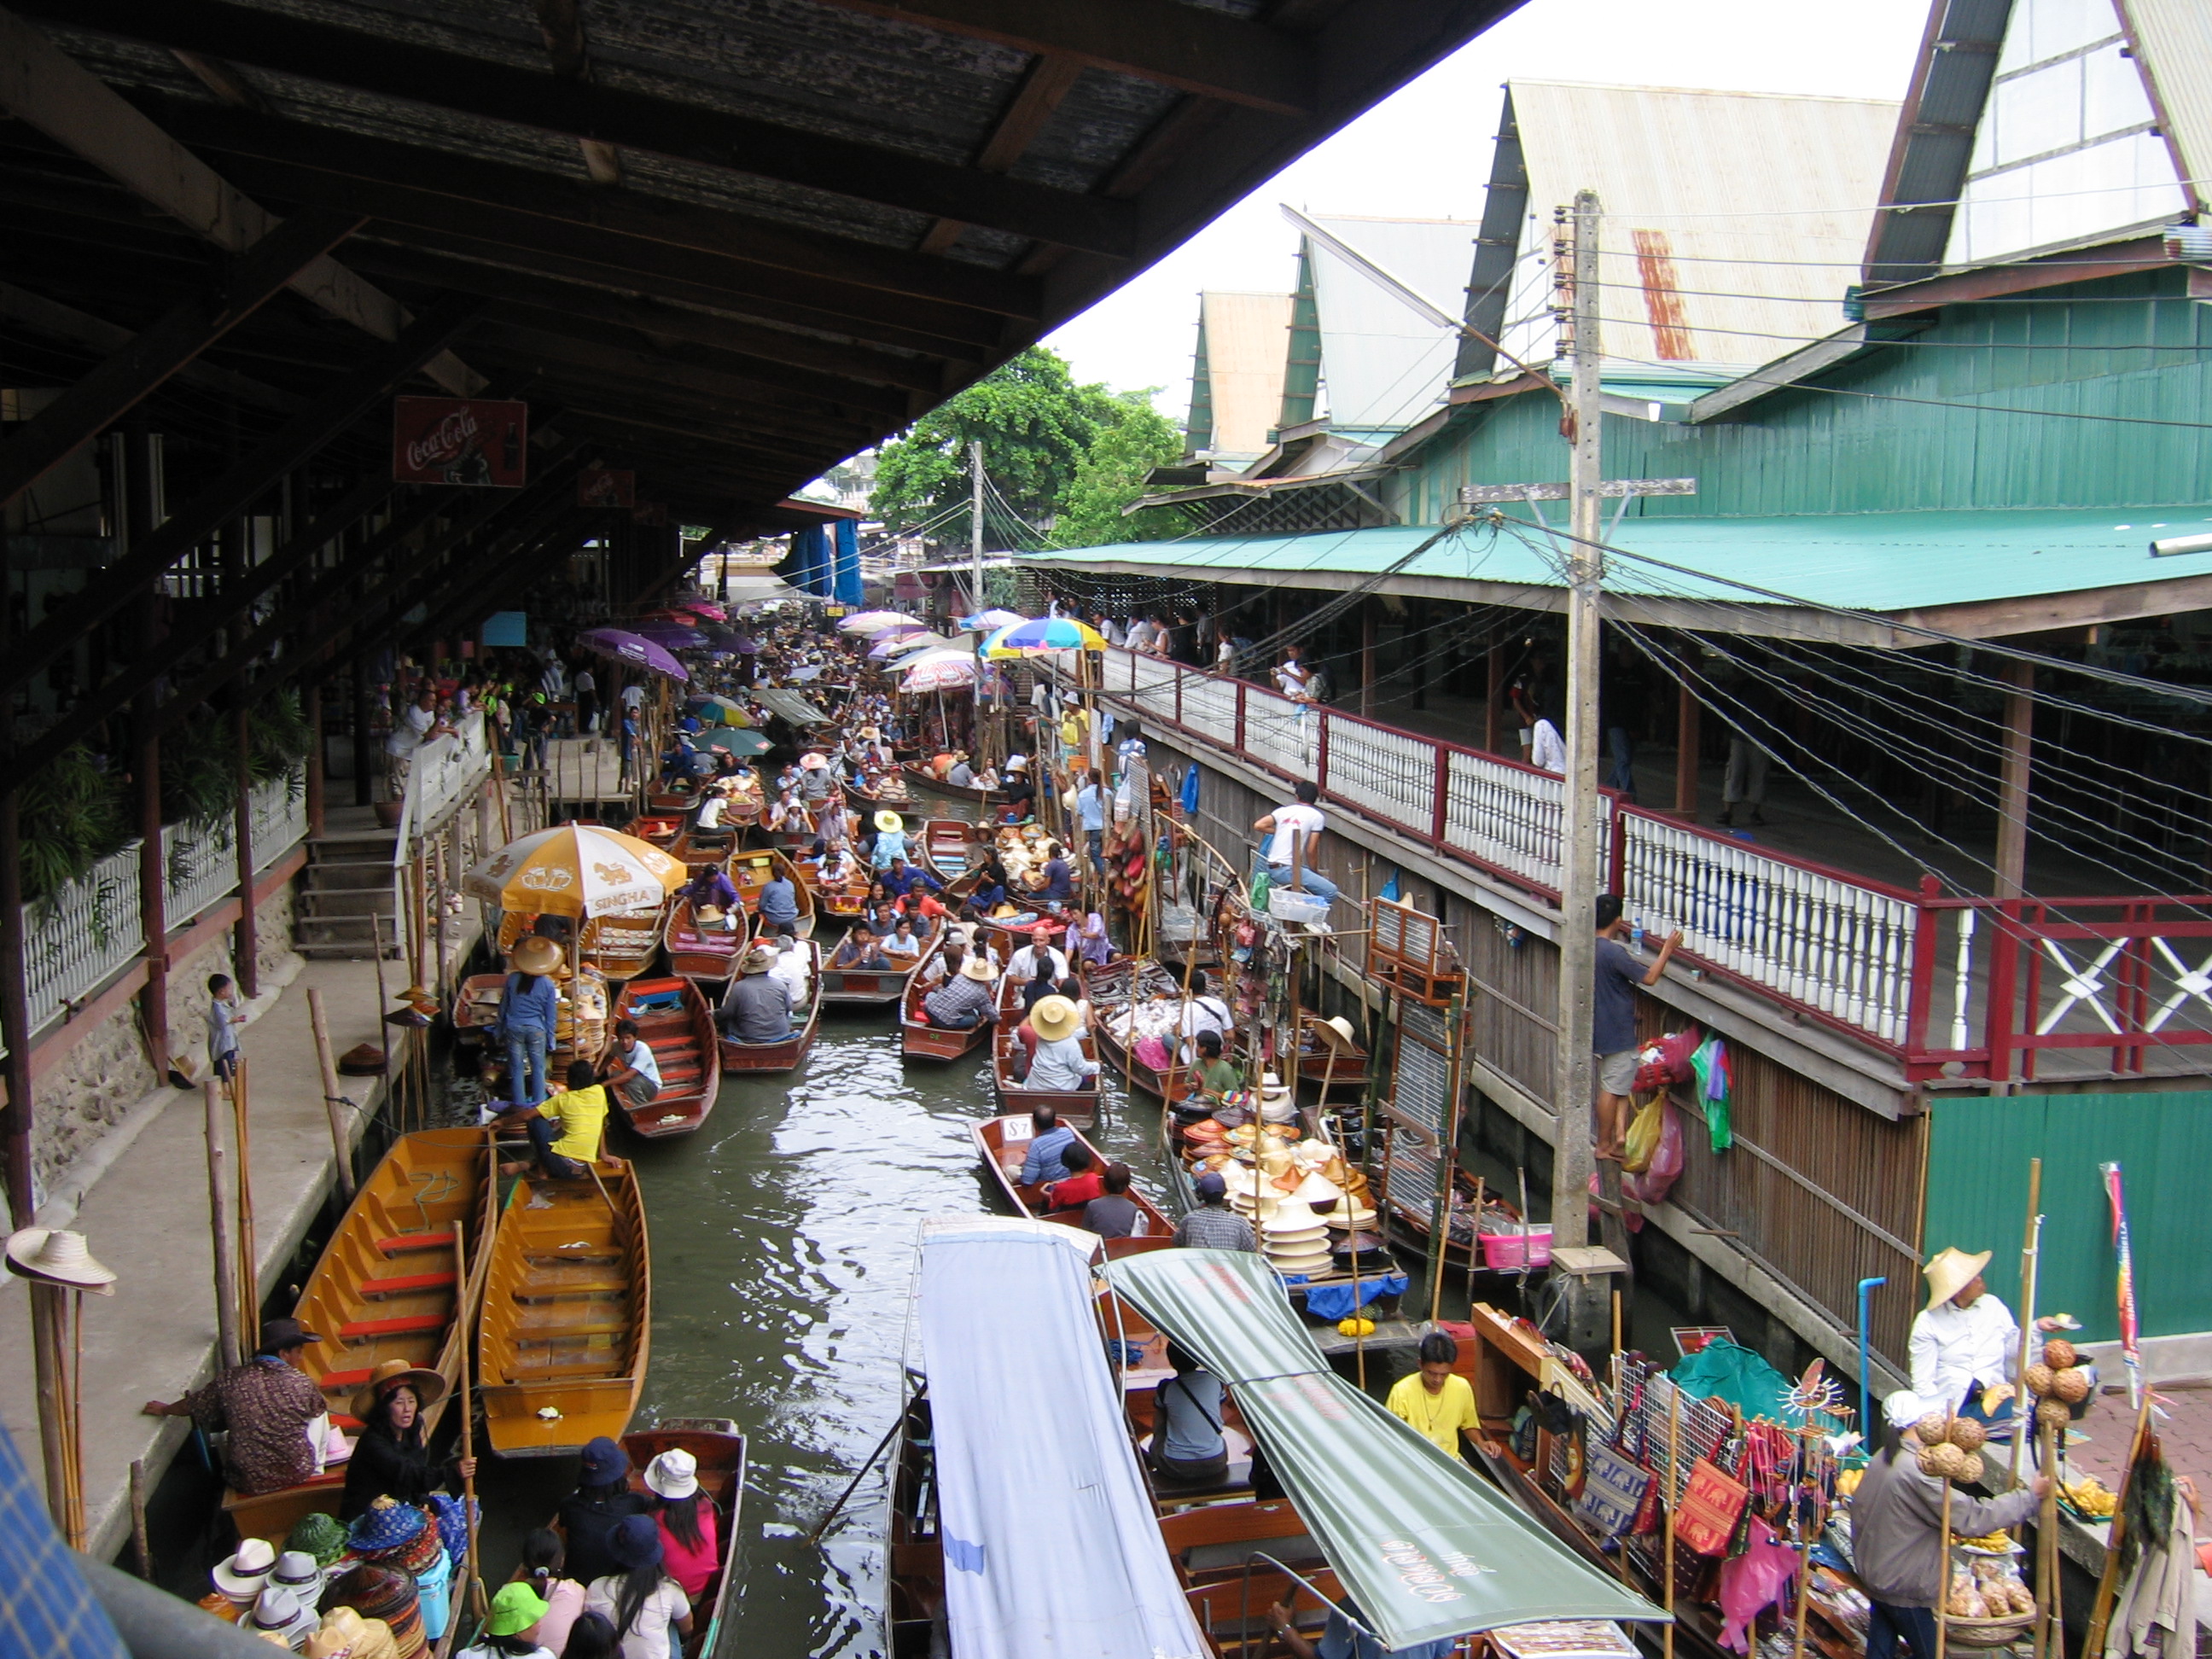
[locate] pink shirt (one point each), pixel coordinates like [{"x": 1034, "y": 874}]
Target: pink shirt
[
  {"x": 564, "y": 1604},
  {"x": 691, "y": 1568}
]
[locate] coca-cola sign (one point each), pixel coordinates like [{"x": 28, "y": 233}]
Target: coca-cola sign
[
  {"x": 460, "y": 440},
  {"x": 604, "y": 486}
]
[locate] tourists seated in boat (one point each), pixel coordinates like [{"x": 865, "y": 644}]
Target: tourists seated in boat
[
  {"x": 794, "y": 966},
  {"x": 601, "y": 1502},
  {"x": 902, "y": 947},
  {"x": 1038, "y": 959},
  {"x": 713, "y": 897},
  {"x": 787, "y": 780},
  {"x": 391, "y": 1459},
  {"x": 862, "y": 950},
  {"x": 629, "y": 1067},
  {"x": 707, "y": 828},
  {"x": 1058, "y": 1062},
  {"x": 643, "y": 1603},
  {"x": 1041, "y": 1160},
  {"x": 878, "y": 911},
  {"x": 1020, "y": 793},
  {"x": 544, "y": 1568},
  {"x": 267, "y": 1407},
  {"x": 1215, "y": 1074},
  {"x": 902, "y": 880},
  {"x": 1211, "y": 1225},
  {"x": 1113, "y": 1213},
  {"x": 1188, "y": 1448},
  {"x": 958, "y": 772},
  {"x": 987, "y": 779},
  {"x": 510, "y": 1626},
  {"x": 1435, "y": 1400},
  {"x": 990, "y": 882},
  {"x": 1054, "y": 881},
  {"x": 779, "y": 900},
  {"x": 1079, "y": 1185},
  {"x": 890, "y": 840},
  {"x": 757, "y": 1008},
  {"x": 1092, "y": 943},
  {"x": 789, "y": 813},
  {"x": 684, "y": 1512},
  {"x": 564, "y": 1132},
  {"x": 963, "y": 1001}
]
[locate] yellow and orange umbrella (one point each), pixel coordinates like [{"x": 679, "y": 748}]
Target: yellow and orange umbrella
[{"x": 577, "y": 870}]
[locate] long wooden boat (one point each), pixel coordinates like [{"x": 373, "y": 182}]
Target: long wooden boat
[
  {"x": 918, "y": 776},
  {"x": 784, "y": 1056},
  {"x": 684, "y": 1046},
  {"x": 567, "y": 1314},
  {"x": 708, "y": 849},
  {"x": 950, "y": 846},
  {"x": 889, "y": 790},
  {"x": 1002, "y": 1137},
  {"x": 797, "y": 834},
  {"x": 718, "y": 1447},
  {"x": 1110, "y": 989},
  {"x": 753, "y": 870},
  {"x": 917, "y": 1039},
  {"x": 707, "y": 954},
  {"x": 661, "y": 830},
  {"x": 623, "y": 944},
  {"x": 387, "y": 1287},
  {"x": 1078, "y": 1107},
  {"x": 873, "y": 988},
  {"x": 673, "y": 803},
  {"x": 1335, "y": 1076}
]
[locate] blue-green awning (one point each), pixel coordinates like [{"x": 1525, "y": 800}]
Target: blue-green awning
[{"x": 1426, "y": 1546}]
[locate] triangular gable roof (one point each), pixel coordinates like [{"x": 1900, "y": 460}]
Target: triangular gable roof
[
  {"x": 1385, "y": 360},
  {"x": 1237, "y": 383},
  {"x": 1734, "y": 221}
]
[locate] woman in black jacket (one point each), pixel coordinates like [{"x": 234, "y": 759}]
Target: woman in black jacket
[{"x": 391, "y": 1459}]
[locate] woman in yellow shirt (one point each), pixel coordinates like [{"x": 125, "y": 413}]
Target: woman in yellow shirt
[
  {"x": 1439, "y": 1403},
  {"x": 565, "y": 1131}
]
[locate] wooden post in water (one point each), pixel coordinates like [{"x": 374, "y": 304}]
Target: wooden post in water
[
  {"x": 219, "y": 1229},
  {"x": 334, "y": 1104},
  {"x": 249, "y": 1255}
]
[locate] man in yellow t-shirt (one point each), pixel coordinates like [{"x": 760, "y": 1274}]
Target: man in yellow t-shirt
[
  {"x": 1438, "y": 1404},
  {"x": 580, "y": 1111}
]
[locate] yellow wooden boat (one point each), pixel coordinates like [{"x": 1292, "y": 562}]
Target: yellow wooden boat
[
  {"x": 567, "y": 1313},
  {"x": 386, "y": 1288}
]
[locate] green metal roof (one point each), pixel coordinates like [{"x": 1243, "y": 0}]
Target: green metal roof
[{"x": 1877, "y": 562}]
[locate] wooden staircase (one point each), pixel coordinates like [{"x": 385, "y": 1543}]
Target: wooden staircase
[{"x": 347, "y": 881}]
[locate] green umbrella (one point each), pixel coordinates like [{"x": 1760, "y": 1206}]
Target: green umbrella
[{"x": 742, "y": 741}]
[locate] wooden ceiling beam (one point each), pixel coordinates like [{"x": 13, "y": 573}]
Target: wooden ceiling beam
[
  {"x": 491, "y": 91},
  {"x": 1047, "y": 84},
  {"x": 62, "y": 322},
  {"x": 43, "y": 87}
]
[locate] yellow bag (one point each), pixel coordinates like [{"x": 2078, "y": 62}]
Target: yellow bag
[{"x": 1642, "y": 1140}]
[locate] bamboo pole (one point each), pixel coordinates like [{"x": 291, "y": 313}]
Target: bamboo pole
[
  {"x": 1667, "y": 1509},
  {"x": 1807, "y": 1437},
  {"x": 1943, "y": 1587},
  {"x": 383, "y": 995},
  {"x": 477, "y": 1598},
  {"x": 2108, "y": 1581},
  {"x": 334, "y": 1102},
  {"x": 140, "y": 1542},
  {"x": 249, "y": 1255},
  {"x": 219, "y": 1230},
  {"x": 2030, "y": 1253}
]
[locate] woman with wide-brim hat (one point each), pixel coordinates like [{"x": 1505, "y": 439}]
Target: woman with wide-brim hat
[
  {"x": 529, "y": 1016},
  {"x": 393, "y": 1457},
  {"x": 1966, "y": 1343}
]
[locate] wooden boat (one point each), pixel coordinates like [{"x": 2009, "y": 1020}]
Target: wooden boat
[
  {"x": 784, "y": 1056},
  {"x": 949, "y": 845},
  {"x": 386, "y": 1288},
  {"x": 707, "y": 954},
  {"x": 1078, "y": 1107},
  {"x": 1346, "y": 1078},
  {"x": 889, "y": 790},
  {"x": 673, "y": 803},
  {"x": 579, "y": 1027},
  {"x": 918, "y": 775},
  {"x": 623, "y": 943},
  {"x": 568, "y": 1315},
  {"x": 796, "y": 835},
  {"x": 684, "y": 1044},
  {"x": 842, "y": 905},
  {"x": 704, "y": 849},
  {"x": 1110, "y": 989},
  {"x": 917, "y": 1039},
  {"x": 998, "y": 1137},
  {"x": 718, "y": 1448},
  {"x": 752, "y": 871},
  {"x": 870, "y": 988},
  {"x": 661, "y": 830}
]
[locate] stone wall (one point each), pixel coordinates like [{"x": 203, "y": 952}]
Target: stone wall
[{"x": 103, "y": 1090}]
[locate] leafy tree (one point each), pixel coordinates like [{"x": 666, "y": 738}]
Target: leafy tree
[
  {"x": 1035, "y": 425},
  {"x": 1132, "y": 437}
]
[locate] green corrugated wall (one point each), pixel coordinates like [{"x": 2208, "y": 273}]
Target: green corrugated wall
[
  {"x": 1909, "y": 445},
  {"x": 1977, "y": 1156}
]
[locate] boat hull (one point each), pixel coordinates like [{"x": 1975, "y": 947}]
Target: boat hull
[
  {"x": 1000, "y": 1138},
  {"x": 767, "y": 1058},
  {"x": 685, "y": 1046},
  {"x": 718, "y": 1450}
]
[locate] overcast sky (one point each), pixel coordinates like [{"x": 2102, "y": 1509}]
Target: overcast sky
[{"x": 1424, "y": 152}]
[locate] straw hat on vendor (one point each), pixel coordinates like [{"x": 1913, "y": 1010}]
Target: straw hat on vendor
[
  {"x": 535, "y": 954},
  {"x": 1966, "y": 1344},
  {"x": 1055, "y": 1019}
]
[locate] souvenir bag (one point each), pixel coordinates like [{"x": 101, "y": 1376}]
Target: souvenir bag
[
  {"x": 1712, "y": 1505},
  {"x": 1614, "y": 1488}
]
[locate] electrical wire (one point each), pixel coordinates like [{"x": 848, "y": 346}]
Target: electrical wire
[
  {"x": 1900, "y": 207},
  {"x": 1955, "y": 345}
]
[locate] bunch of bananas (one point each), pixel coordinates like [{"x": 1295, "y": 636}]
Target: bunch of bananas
[
  {"x": 2090, "y": 1495},
  {"x": 1990, "y": 1541}
]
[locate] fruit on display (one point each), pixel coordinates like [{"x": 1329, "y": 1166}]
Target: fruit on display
[
  {"x": 2091, "y": 1496},
  {"x": 2071, "y": 1385},
  {"x": 2039, "y": 1378},
  {"x": 1848, "y": 1482},
  {"x": 1932, "y": 1428},
  {"x": 1968, "y": 1435},
  {"x": 1355, "y": 1326},
  {"x": 2058, "y": 1354},
  {"x": 2054, "y": 1415}
]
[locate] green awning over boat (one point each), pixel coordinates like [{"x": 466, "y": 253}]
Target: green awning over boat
[
  {"x": 1426, "y": 1546},
  {"x": 790, "y": 706}
]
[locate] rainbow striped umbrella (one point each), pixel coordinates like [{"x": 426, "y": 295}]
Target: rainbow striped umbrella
[{"x": 1031, "y": 638}]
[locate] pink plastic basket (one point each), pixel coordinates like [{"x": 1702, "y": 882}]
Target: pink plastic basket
[{"x": 1504, "y": 1251}]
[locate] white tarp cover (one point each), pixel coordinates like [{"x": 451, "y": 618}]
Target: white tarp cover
[{"x": 1051, "y": 1546}]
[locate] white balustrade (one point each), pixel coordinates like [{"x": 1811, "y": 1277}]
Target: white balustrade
[
  {"x": 1504, "y": 816},
  {"x": 444, "y": 772},
  {"x": 1391, "y": 774},
  {"x": 279, "y": 809},
  {"x": 76, "y": 938},
  {"x": 1816, "y": 939}
]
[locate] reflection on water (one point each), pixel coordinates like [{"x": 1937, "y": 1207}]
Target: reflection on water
[{"x": 783, "y": 1255}]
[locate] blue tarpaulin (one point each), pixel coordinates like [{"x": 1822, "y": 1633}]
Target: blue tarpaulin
[{"x": 846, "y": 583}]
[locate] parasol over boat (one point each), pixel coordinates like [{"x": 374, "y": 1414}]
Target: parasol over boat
[
  {"x": 1046, "y": 635},
  {"x": 577, "y": 870},
  {"x": 624, "y": 646}
]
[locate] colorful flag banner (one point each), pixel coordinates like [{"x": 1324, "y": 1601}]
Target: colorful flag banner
[{"x": 2124, "y": 1252}]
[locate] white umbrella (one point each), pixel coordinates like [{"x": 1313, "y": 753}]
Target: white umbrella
[
  {"x": 874, "y": 621},
  {"x": 920, "y": 642},
  {"x": 940, "y": 675}
]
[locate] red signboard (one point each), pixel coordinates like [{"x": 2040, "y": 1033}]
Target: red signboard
[
  {"x": 460, "y": 440},
  {"x": 599, "y": 486},
  {"x": 650, "y": 513}
]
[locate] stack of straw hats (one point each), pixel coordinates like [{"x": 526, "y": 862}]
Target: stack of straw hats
[{"x": 1295, "y": 1240}]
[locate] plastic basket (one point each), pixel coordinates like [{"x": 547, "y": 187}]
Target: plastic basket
[
  {"x": 1506, "y": 1251},
  {"x": 1287, "y": 904}
]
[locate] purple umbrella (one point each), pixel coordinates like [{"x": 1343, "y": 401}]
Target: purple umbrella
[
  {"x": 669, "y": 636},
  {"x": 629, "y": 648},
  {"x": 748, "y": 646}
]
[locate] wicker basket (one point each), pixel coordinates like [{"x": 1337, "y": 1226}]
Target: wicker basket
[{"x": 1987, "y": 1632}]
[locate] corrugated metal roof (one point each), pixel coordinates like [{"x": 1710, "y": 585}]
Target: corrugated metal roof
[
  {"x": 2173, "y": 45},
  {"x": 1247, "y": 340},
  {"x": 1384, "y": 364},
  {"x": 1706, "y": 196},
  {"x": 1886, "y": 563}
]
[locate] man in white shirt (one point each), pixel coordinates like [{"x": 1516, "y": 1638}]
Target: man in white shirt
[
  {"x": 791, "y": 967},
  {"x": 408, "y": 729},
  {"x": 1294, "y": 832},
  {"x": 1140, "y": 634},
  {"x": 1206, "y": 1012},
  {"x": 1291, "y": 676},
  {"x": 633, "y": 697},
  {"x": 587, "y": 702},
  {"x": 1547, "y": 750},
  {"x": 1033, "y": 959},
  {"x": 1966, "y": 1340}
]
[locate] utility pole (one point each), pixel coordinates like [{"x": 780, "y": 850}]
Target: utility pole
[
  {"x": 975, "y": 514},
  {"x": 1585, "y": 1294}
]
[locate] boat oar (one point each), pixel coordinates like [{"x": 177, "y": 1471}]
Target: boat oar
[
  {"x": 478, "y": 1598},
  {"x": 859, "y": 1475}
]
